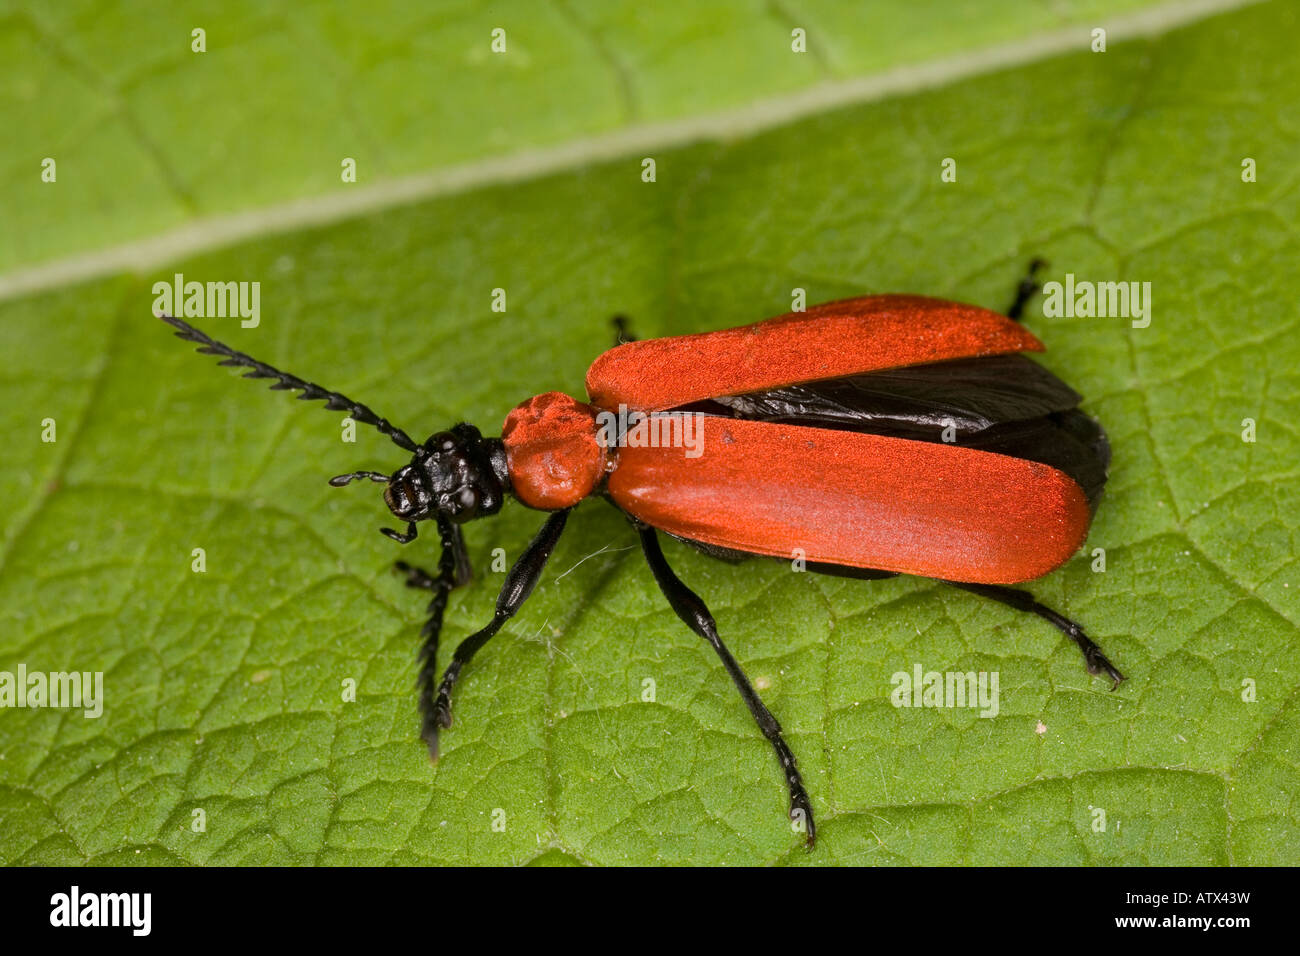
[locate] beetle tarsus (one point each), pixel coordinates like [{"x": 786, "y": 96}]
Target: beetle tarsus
[
  {"x": 803, "y": 814},
  {"x": 439, "y": 715},
  {"x": 1099, "y": 664},
  {"x": 338, "y": 481},
  {"x": 430, "y": 738},
  {"x": 1093, "y": 657},
  {"x": 1027, "y": 289},
  {"x": 416, "y": 577},
  {"x": 621, "y": 334},
  {"x": 800, "y": 806},
  {"x": 400, "y": 537},
  {"x": 453, "y": 571}
]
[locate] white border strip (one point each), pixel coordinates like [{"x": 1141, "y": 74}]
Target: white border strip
[{"x": 145, "y": 255}]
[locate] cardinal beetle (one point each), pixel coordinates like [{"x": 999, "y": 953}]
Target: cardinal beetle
[{"x": 876, "y": 436}]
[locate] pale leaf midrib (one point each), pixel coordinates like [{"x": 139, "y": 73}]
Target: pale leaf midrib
[{"x": 215, "y": 232}]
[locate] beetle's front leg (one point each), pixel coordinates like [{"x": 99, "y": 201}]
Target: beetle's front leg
[
  {"x": 520, "y": 581},
  {"x": 453, "y": 571}
]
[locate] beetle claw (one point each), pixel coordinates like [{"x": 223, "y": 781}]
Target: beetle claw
[
  {"x": 1098, "y": 664},
  {"x": 442, "y": 712}
]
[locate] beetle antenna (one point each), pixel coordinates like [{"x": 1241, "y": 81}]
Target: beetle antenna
[
  {"x": 338, "y": 481},
  {"x": 334, "y": 401}
]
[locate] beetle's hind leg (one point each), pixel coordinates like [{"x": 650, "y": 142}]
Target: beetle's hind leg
[
  {"x": 1027, "y": 289},
  {"x": 696, "y": 616},
  {"x": 1096, "y": 661}
]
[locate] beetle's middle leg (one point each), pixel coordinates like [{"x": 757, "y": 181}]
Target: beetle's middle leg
[{"x": 696, "y": 616}]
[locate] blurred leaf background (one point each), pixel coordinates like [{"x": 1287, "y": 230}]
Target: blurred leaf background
[{"x": 224, "y": 688}]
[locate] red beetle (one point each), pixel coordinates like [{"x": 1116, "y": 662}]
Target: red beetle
[{"x": 870, "y": 437}]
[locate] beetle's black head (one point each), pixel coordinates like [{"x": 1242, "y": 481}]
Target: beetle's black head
[
  {"x": 451, "y": 474},
  {"x": 456, "y": 474}
]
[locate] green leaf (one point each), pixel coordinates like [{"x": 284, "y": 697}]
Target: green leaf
[
  {"x": 224, "y": 689},
  {"x": 148, "y": 134}
]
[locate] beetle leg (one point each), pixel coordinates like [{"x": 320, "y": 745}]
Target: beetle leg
[
  {"x": 1028, "y": 287},
  {"x": 520, "y": 581},
  {"x": 621, "y": 334},
  {"x": 453, "y": 563},
  {"x": 420, "y": 578},
  {"x": 1024, "y": 601},
  {"x": 696, "y": 616},
  {"x": 453, "y": 571}
]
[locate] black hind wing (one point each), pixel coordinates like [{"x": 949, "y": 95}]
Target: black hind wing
[{"x": 1006, "y": 404}]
